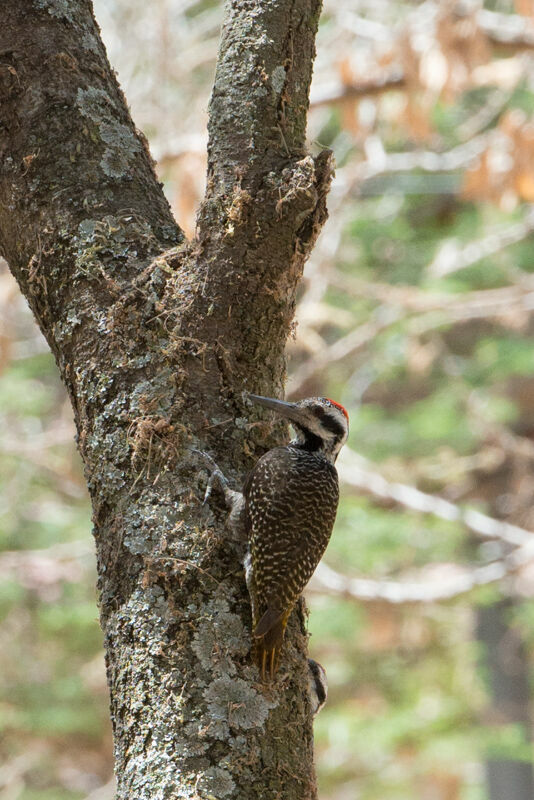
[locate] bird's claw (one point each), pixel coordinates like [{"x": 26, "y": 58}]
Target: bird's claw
[
  {"x": 205, "y": 457},
  {"x": 215, "y": 476},
  {"x": 209, "y": 488}
]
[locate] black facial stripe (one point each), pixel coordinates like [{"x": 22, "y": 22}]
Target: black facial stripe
[
  {"x": 328, "y": 422},
  {"x": 311, "y": 441},
  {"x": 333, "y": 426},
  {"x": 321, "y": 694}
]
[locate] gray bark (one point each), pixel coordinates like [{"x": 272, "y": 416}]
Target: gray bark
[
  {"x": 156, "y": 338},
  {"x": 507, "y": 668},
  {"x": 503, "y": 656}
]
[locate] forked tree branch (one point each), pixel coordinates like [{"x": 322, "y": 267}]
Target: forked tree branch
[{"x": 156, "y": 338}]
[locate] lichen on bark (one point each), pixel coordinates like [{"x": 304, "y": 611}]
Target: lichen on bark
[{"x": 157, "y": 339}]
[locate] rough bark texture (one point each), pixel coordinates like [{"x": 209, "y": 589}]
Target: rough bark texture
[{"x": 156, "y": 338}]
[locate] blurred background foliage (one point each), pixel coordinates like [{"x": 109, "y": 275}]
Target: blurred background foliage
[{"x": 415, "y": 313}]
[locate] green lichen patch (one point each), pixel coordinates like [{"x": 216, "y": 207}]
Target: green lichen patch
[
  {"x": 220, "y": 639},
  {"x": 142, "y": 525},
  {"x": 121, "y": 148},
  {"x": 278, "y": 78},
  {"x": 154, "y": 396},
  {"x": 121, "y": 144},
  {"x": 217, "y": 782},
  {"x": 236, "y": 704},
  {"x": 89, "y": 42},
  {"x": 64, "y": 329},
  {"x": 107, "y": 246},
  {"x": 61, "y": 9},
  {"x": 95, "y": 104}
]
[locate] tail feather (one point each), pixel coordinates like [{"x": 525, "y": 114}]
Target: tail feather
[{"x": 269, "y": 636}]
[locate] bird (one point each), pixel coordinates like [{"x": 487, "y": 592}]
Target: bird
[
  {"x": 286, "y": 512},
  {"x": 317, "y": 686}
]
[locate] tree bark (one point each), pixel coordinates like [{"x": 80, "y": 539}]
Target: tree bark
[
  {"x": 506, "y": 664},
  {"x": 504, "y": 655},
  {"x": 156, "y": 338}
]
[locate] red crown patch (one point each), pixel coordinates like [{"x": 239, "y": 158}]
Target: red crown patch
[{"x": 338, "y": 405}]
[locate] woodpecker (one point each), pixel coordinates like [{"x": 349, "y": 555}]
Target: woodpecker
[
  {"x": 286, "y": 511},
  {"x": 317, "y": 686}
]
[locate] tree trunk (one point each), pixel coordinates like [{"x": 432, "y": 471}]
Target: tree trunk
[
  {"x": 504, "y": 656},
  {"x": 506, "y": 663},
  {"x": 156, "y": 338}
]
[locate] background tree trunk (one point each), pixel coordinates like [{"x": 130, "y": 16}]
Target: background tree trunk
[
  {"x": 504, "y": 653},
  {"x": 506, "y": 663},
  {"x": 156, "y": 338}
]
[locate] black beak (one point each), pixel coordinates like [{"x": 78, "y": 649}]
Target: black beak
[{"x": 290, "y": 411}]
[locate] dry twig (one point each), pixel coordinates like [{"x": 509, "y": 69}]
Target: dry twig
[
  {"x": 453, "y": 257},
  {"x": 356, "y": 471}
]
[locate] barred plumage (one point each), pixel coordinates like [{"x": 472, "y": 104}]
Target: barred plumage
[
  {"x": 286, "y": 511},
  {"x": 291, "y": 499}
]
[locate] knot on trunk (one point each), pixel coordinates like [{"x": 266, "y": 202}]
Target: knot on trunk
[{"x": 303, "y": 192}]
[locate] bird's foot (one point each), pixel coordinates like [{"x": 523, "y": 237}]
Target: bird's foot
[{"x": 216, "y": 474}]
